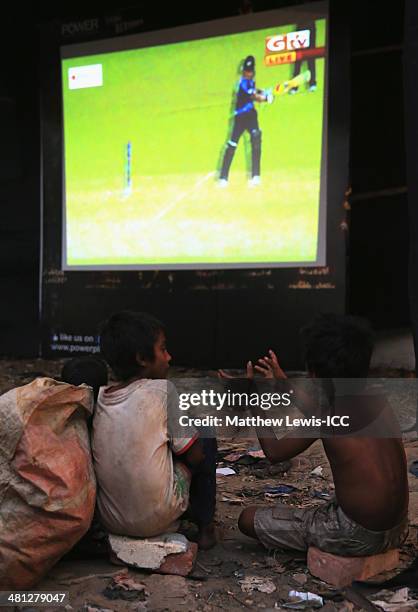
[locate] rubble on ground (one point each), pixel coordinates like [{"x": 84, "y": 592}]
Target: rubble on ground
[{"x": 218, "y": 577}]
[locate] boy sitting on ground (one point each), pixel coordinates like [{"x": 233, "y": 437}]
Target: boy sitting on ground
[
  {"x": 147, "y": 478},
  {"x": 369, "y": 513}
]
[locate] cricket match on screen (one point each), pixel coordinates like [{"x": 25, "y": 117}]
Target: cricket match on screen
[{"x": 202, "y": 153}]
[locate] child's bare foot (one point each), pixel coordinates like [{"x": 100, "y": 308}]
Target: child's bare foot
[{"x": 207, "y": 537}]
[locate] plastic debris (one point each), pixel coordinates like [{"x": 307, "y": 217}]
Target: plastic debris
[
  {"x": 225, "y": 471},
  {"x": 257, "y": 583},
  {"x": 301, "y": 600},
  {"x": 279, "y": 490},
  {"x": 393, "y": 602},
  {"x": 413, "y": 468},
  {"x": 318, "y": 471},
  {"x": 400, "y": 596},
  {"x": 257, "y": 454},
  {"x": 322, "y": 494}
]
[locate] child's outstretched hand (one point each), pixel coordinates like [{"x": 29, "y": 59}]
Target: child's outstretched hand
[
  {"x": 249, "y": 373},
  {"x": 269, "y": 366}
]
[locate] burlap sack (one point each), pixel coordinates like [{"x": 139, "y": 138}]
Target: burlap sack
[{"x": 47, "y": 483}]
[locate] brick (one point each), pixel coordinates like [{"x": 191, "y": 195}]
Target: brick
[
  {"x": 341, "y": 571},
  {"x": 179, "y": 564}
]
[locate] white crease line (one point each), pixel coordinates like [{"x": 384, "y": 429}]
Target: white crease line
[{"x": 181, "y": 196}]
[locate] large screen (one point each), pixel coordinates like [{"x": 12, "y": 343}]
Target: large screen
[{"x": 198, "y": 147}]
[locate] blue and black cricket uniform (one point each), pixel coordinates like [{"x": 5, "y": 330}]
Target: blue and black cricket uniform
[{"x": 245, "y": 118}]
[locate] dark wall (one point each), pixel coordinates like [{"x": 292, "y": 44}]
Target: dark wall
[
  {"x": 378, "y": 271},
  {"x": 19, "y": 189},
  {"x": 411, "y": 122}
]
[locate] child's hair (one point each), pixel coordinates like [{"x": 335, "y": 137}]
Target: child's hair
[
  {"x": 125, "y": 335},
  {"x": 338, "y": 346},
  {"x": 87, "y": 369}
]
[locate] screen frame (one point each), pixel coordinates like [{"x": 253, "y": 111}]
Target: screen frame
[{"x": 198, "y": 31}]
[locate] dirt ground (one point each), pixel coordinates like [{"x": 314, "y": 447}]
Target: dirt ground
[{"x": 216, "y": 580}]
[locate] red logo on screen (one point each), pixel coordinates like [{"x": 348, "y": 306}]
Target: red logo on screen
[
  {"x": 275, "y": 44},
  {"x": 291, "y": 41}
]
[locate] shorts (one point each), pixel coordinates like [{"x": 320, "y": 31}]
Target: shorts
[{"x": 327, "y": 527}]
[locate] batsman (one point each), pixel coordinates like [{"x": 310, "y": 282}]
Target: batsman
[{"x": 245, "y": 118}]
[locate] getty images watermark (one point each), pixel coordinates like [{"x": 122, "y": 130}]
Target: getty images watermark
[
  {"x": 300, "y": 406},
  {"x": 264, "y": 401}
]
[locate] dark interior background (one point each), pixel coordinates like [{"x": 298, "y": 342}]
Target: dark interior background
[{"x": 378, "y": 220}]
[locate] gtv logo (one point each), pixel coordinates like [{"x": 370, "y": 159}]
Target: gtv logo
[{"x": 288, "y": 42}]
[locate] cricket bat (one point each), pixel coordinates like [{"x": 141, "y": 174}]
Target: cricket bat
[{"x": 282, "y": 88}]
